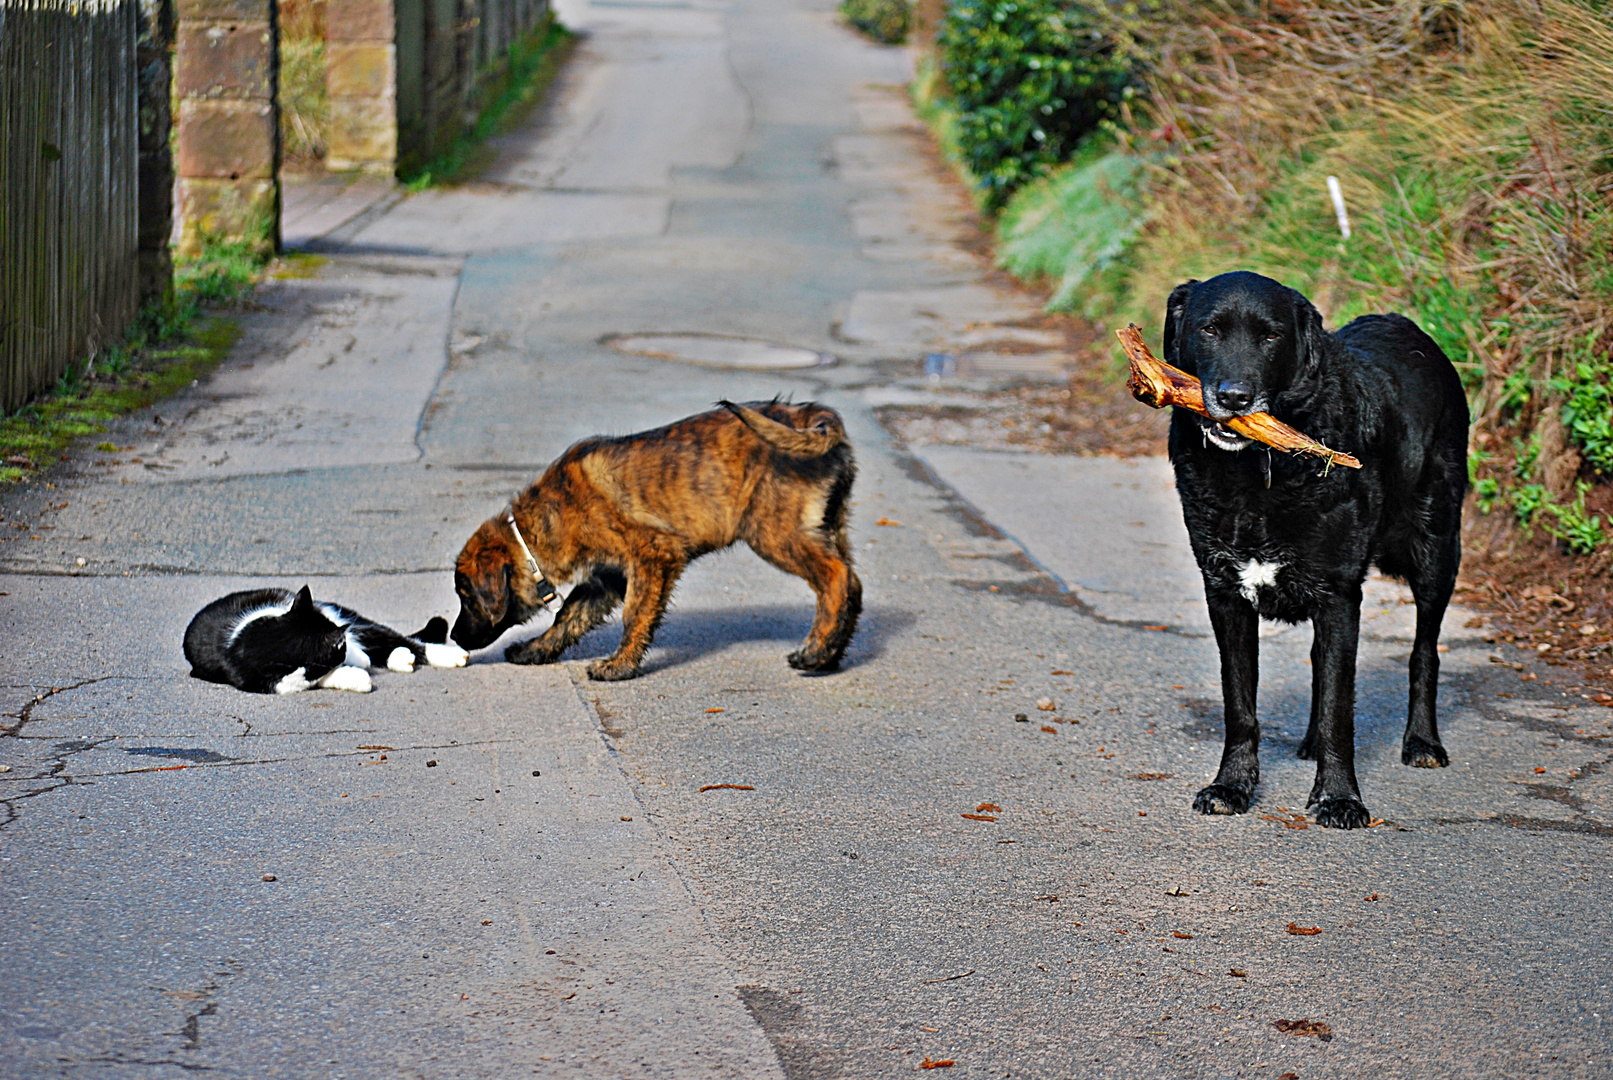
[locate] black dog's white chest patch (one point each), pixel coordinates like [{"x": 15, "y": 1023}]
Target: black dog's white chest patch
[{"x": 1255, "y": 575}]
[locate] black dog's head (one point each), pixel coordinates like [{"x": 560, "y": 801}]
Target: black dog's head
[
  {"x": 494, "y": 592},
  {"x": 1249, "y": 340}
]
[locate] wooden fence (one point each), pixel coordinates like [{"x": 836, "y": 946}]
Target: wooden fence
[{"x": 68, "y": 186}]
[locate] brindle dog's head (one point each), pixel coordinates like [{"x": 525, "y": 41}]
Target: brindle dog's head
[
  {"x": 1250, "y": 340},
  {"x": 495, "y": 592}
]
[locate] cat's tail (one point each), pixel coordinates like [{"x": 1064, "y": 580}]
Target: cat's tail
[{"x": 434, "y": 632}]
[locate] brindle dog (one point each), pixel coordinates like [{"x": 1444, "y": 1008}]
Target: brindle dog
[{"x": 623, "y": 517}]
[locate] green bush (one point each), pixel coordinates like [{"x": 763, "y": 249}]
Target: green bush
[
  {"x": 885, "y": 21},
  {"x": 1028, "y": 79},
  {"x": 1588, "y": 413}
]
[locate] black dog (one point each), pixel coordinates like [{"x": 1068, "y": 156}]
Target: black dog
[{"x": 1287, "y": 538}]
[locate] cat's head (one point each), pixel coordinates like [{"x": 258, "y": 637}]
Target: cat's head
[{"x": 303, "y": 637}]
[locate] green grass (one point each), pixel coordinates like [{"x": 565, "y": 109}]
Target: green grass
[
  {"x": 1070, "y": 226},
  {"x": 530, "y": 66},
  {"x": 162, "y": 352}
]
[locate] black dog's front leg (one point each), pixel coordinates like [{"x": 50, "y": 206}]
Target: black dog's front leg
[
  {"x": 1335, "y": 796},
  {"x": 1236, "y": 627}
]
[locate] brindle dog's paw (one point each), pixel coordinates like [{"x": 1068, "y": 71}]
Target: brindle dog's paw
[
  {"x": 611, "y": 670},
  {"x": 1307, "y": 748},
  {"x": 528, "y": 652},
  {"x": 1220, "y": 799},
  {"x": 1341, "y": 813},
  {"x": 812, "y": 660},
  {"x": 1422, "y": 754}
]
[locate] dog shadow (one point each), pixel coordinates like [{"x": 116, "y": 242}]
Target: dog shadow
[
  {"x": 1285, "y": 713},
  {"x": 692, "y": 633}
]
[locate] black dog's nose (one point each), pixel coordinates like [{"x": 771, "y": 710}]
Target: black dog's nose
[{"x": 1233, "y": 397}]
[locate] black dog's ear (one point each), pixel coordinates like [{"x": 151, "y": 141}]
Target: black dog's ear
[
  {"x": 1174, "y": 307},
  {"x": 1309, "y": 338}
]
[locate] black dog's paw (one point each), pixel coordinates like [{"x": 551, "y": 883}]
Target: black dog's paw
[
  {"x": 1341, "y": 813},
  {"x": 612, "y": 670},
  {"x": 1220, "y": 799},
  {"x": 1422, "y": 754},
  {"x": 529, "y": 652},
  {"x": 1307, "y": 747},
  {"x": 812, "y": 660}
]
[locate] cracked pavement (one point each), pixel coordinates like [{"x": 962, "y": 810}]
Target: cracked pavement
[{"x": 502, "y": 871}]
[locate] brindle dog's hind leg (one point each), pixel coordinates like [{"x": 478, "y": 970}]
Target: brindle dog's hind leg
[
  {"x": 649, "y": 588},
  {"x": 588, "y": 605},
  {"x": 818, "y": 560}
]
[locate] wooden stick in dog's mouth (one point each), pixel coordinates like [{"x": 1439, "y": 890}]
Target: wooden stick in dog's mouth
[{"x": 1154, "y": 382}]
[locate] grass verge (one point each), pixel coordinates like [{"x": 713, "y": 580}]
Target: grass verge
[
  {"x": 528, "y": 70},
  {"x": 161, "y": 353}
]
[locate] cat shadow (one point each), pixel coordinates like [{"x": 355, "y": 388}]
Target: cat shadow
[{"x": 689, "y": 634}]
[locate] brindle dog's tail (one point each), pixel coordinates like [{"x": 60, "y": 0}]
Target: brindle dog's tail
[{"x": 825, "y": 433}]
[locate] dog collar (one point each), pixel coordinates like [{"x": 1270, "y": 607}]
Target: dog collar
[{"x": 547, "y": 595}]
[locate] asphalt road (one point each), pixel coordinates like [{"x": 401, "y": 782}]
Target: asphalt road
[{"x": 556, "y": 895}]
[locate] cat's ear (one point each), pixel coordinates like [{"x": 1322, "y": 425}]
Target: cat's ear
[{"x": 304, "y": 603}]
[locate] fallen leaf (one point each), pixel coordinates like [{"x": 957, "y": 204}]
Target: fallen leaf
[
  {"x": 944, "y": 1063},
  {"x": 1061, "y": 671},
  {"x": 1050, "y": 729},
  {"x": 1176, "y": 891},
  {"x": 1375, "y": 822},
  {"x": 1370, "y": 899},
  {"x": 988, "y": 808},
  {"x": 888, "y": 522},
  {"x": 627, "y": 819},
  {"x": 735, "y": 787},
  {"x": 715, "y": 708},
  {"x": 1153, "y": 628},
  {"x": 1303, "y": 931},
  {"x": 1184, "y": 937},
  {"x": 1289, "y": 1076},
  {"x": 1304, "y": 1027},
  {"x": 1021, "y": 718},
  {"x": 432, "y": 764},
  {"x": 487, "y": 922},
  {"x": 1539, "y": 770},
  {"x": 1046, "y": 704},
  {"x": 1149, "y": 776},
  {"x": 270, "y": 877},
  {"x": 1049, "y": 897},
  {"x": 980, "y": 817},
  {"x": 1238, "y": 973}
]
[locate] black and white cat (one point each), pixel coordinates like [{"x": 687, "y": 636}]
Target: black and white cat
[{"x": 273, "y": 641}]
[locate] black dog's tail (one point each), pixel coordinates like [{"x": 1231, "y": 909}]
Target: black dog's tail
[
  {"x": 824, "y": 435},
  {"x": 435, "y": 632}
]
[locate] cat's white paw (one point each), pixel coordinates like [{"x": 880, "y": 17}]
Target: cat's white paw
[
  {"x": 348, "y": 678},
  {"x": 402, "y": 659},
  {"x": 294, "y": 683},
  {"x": 446, "y": 656}
]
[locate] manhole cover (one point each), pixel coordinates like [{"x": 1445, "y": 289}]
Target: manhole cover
[{"x": 712, "y": 350}]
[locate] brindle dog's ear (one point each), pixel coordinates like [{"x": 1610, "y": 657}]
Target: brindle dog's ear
[
  {"x": 490, "y": 581},
  {"x": 1174, "y": 307}
]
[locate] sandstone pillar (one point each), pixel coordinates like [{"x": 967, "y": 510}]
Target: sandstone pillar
[
  {"x": 226, "y": 76},
  {"x": 361, "y": 79},
  {"x": 156, "y": 169}
]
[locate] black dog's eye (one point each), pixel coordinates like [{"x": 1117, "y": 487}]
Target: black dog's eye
[
  {"x": 1209, "y": 331},
  {"x": 1273, "y": 337}
]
